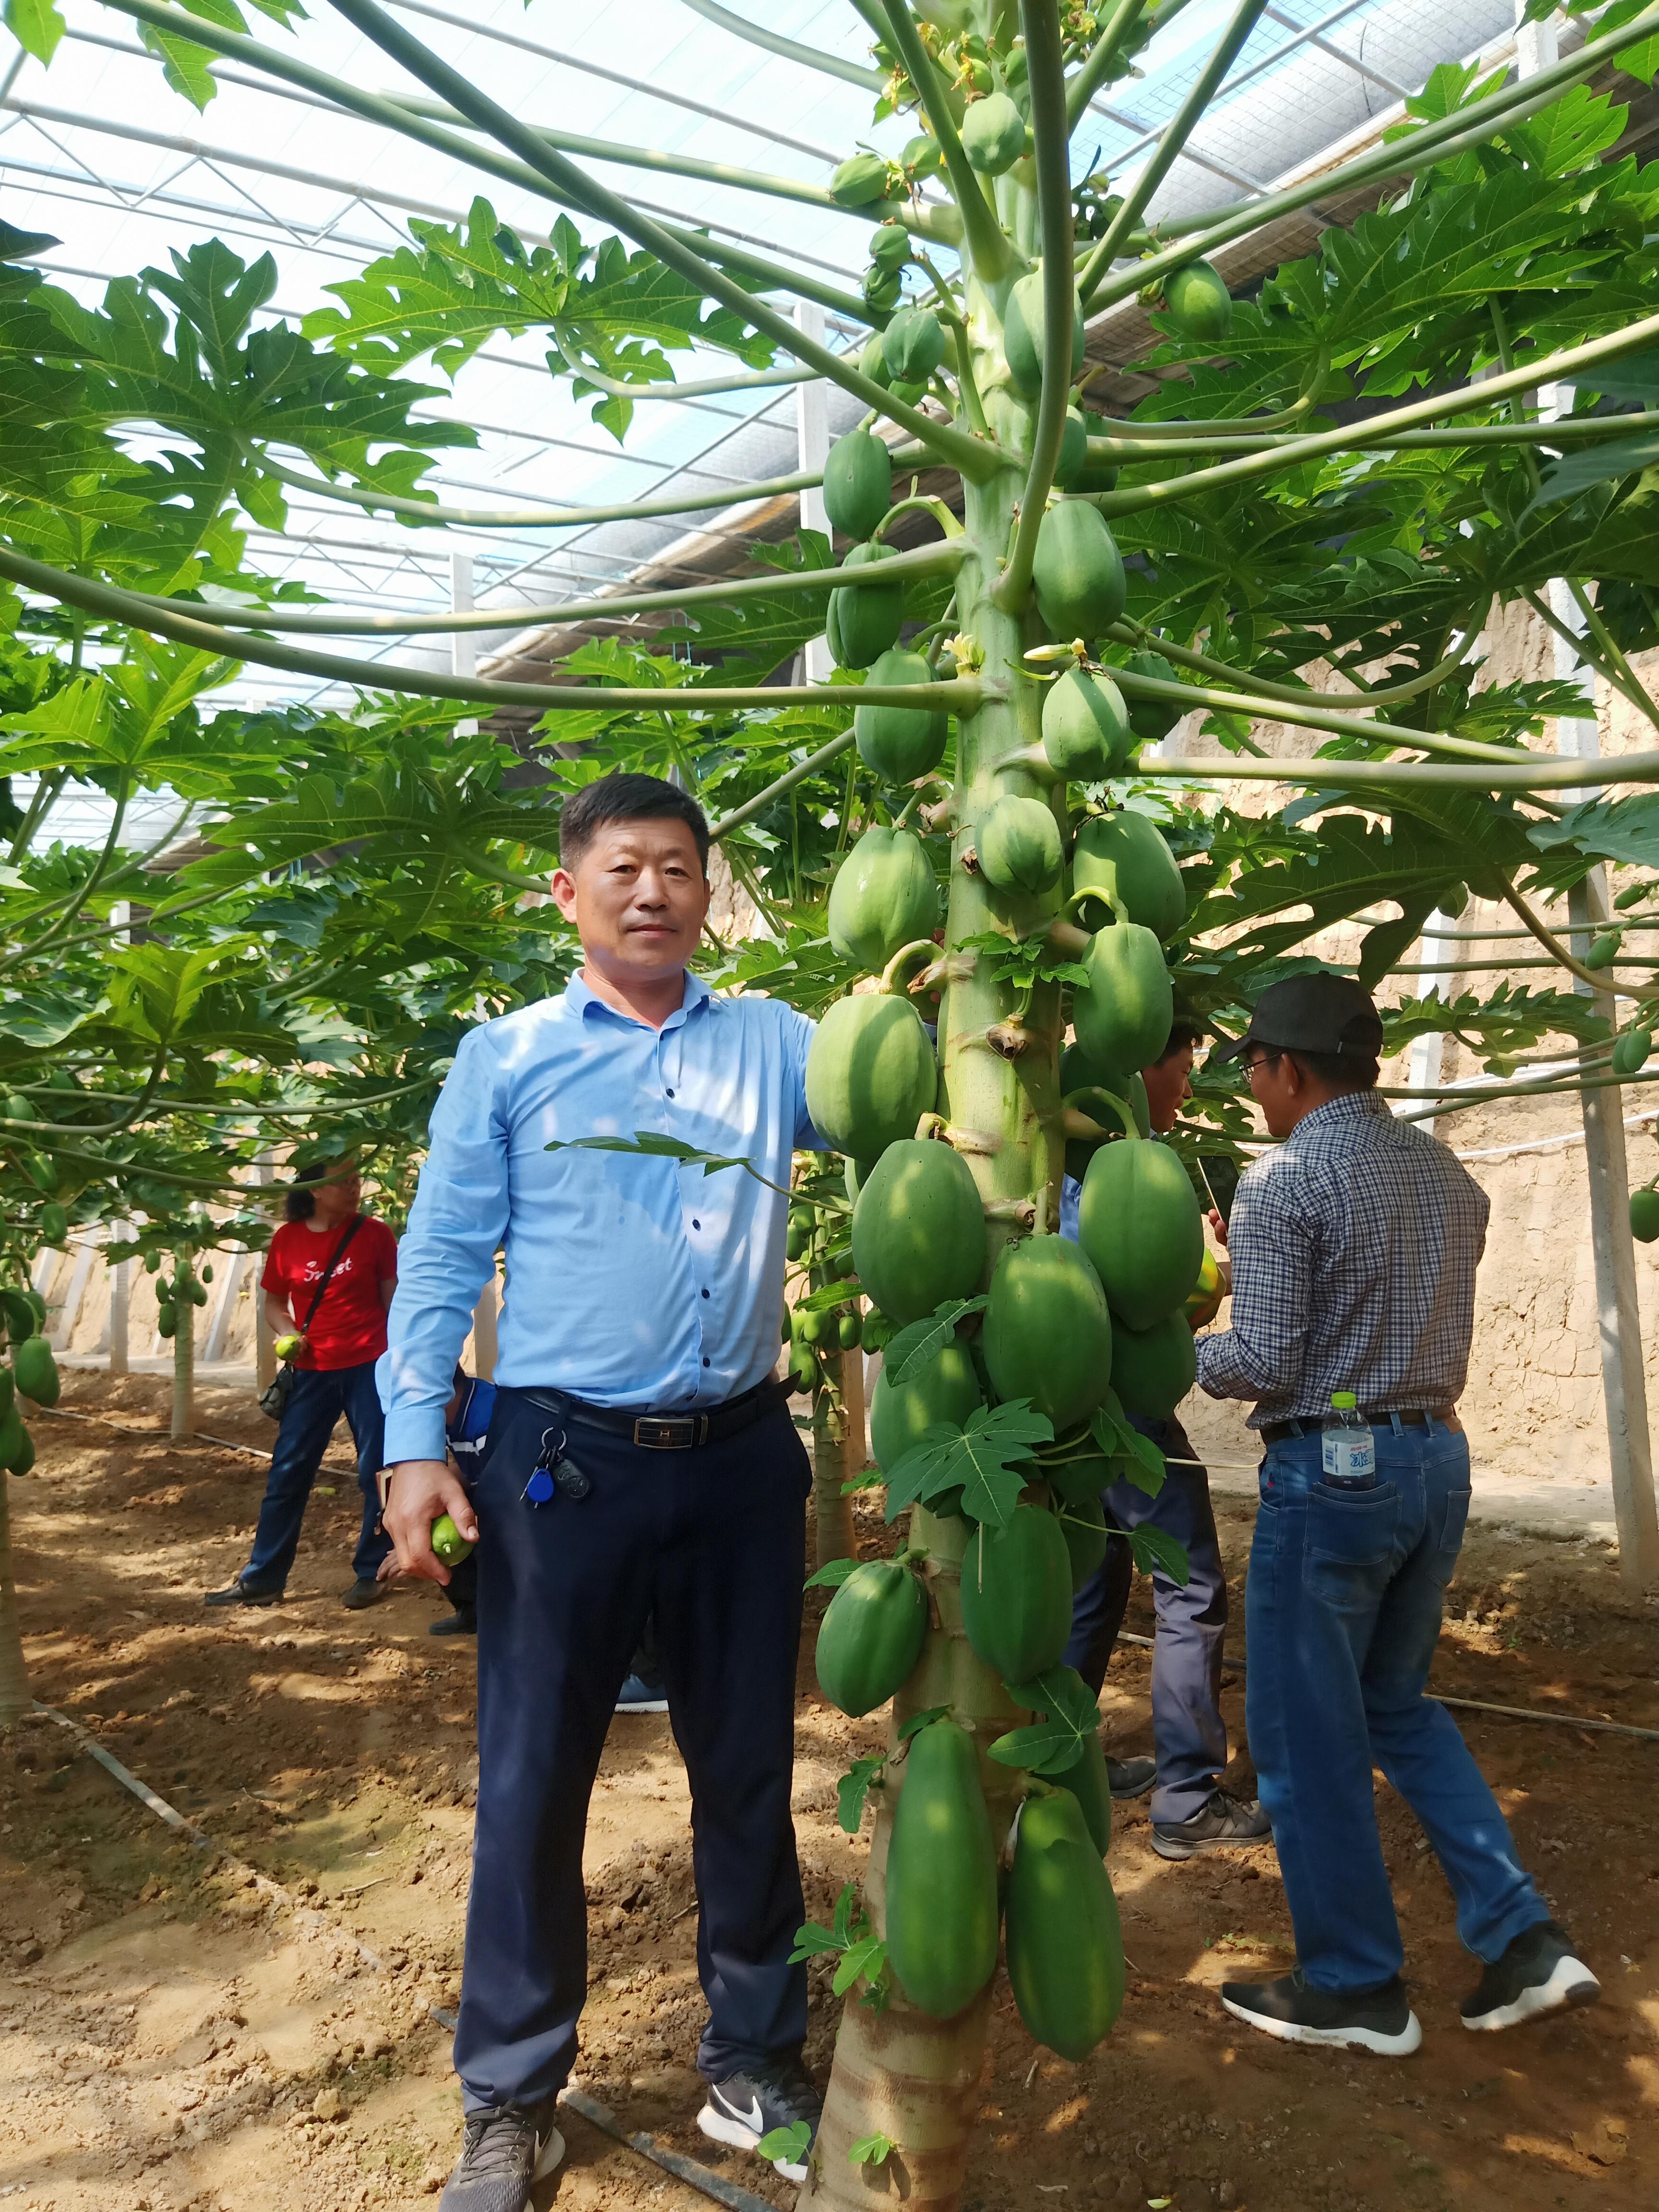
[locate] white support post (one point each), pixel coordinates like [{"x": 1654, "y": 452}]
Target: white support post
[
  {"x": 64, "y": 1328},
  {"x": 120, "y": 1305},
  {"x": 813, "y": 447},
  {"x": 463, "y": 643},
  {"x": 229, "y": 1287},
  {"x": 1427, "y": 1051}
]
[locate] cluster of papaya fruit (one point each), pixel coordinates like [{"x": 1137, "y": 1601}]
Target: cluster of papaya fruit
[
  {"x": 31, "y": 1373},
  {"x": 177, "y": 1293}
]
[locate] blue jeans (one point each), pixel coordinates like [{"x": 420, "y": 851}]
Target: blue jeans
[
  {"x": 319, "y": 1396},
  {"x": 1342, "y": 1614}
]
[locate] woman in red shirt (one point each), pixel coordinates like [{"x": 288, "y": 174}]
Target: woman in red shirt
[{"x": 334, "y": 1372}]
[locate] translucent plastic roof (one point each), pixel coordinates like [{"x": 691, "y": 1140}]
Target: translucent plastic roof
[{"x": 100, "y": 152}]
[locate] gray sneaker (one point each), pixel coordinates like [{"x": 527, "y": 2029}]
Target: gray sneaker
[
  {"x": 506, "y": 2150},
  {"x": 1222, "y": 1823}
]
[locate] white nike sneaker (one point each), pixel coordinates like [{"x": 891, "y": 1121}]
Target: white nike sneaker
[{"x": 774, "y": 2100}]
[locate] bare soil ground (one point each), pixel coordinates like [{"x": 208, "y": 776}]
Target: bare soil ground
[{"x": 172, "y": 2039}]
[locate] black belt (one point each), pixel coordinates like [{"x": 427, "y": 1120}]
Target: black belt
[
  {"x": 659, "y": 1431},
  {"x": 1412, "y": 1417}
]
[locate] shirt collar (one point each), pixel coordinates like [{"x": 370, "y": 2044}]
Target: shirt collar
[
  {"x": 582, "y": 1001},
  {"x": 1351, "y": 1106}
]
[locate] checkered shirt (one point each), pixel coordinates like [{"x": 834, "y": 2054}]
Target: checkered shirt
[{"x": 1354, "y": 1246}]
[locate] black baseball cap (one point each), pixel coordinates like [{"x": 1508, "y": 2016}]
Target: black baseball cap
[{"x": 1320, "y": 1013}]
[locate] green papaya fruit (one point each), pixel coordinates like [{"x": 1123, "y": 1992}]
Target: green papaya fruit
[
  {"x": 871, "y": 1637},
  {"x": 1139, "y": 1222},
  {"x": 41, "y": 1172},
  {"x": 1204, "y": 1300},
  {"x": 900, "y": 743},
  {"x": 1018, "y": 845},
  {"x": 1151, "y": 720},
  {"x": 449, "y": 1546},
  {"x": 889, "y": 248},
  {"x": 919, "y": 1225},
  {"x": 1153, "y": 1369},
  {"x": 796, "y": 1240},
  {"x": 1200, "y": 307},
  {"x": 38, "y": 1305},
  {"x": 849, "y": 1331},
  {"x": 1087, "y": 1779},
  {"x": 1047, "y": 1335},
  {"x": 854, "y": 1176},
  {"x": 872, "y": 363},
  {"x": 1124, "y": 856},
  {"x": 1645, "y": 1216},
  {"x": 1123, "y": 1015},
  {"x": 921, "y": 156},
  {"x": 913, "y": 345},
  {"x": 1077, "y": 572},
  {"x": 942, "y": 1874},
  {"x": 1016, "y": 1594},
  {"x": 1632, "y": 1051},
  {"x": 54, "y": 1225},
  {"x": 883, "y": 288},
  {"x": 858, "y": 481},
  {"x": 16, "y": 1107},
  {"x": 1078, "y": 1072},
  {"x": 7, "y": 1391},
  {"x": 166, "y": 1322},
  {"x": 1078, "y": 1480},
  {"x": 1065, "y": 1942},
  {"x": 1084, "y": 1527},
  {"x": 812, "y": 1326},
  {"x": 22, "y": 1460},
  {"x": 863, "y": 622},
  {"x": 36, "y": 1370},
  {"x": 871, "y": 1074},
  {"x": 22, "y": 1319},
  {"x": 1085, "y": 726},
  {"x": 1094, "y": 475},
  {"x": 993, "y": 134},
  {"x": 1073, "y": 450},
  {"x": 860, "y": 179},
  {"x": 1022, "y": 338},
  {"x": 803, "y": 1368},
  {"x": 13, "y": 1437},
  {"x": 1604, "y": 948},
  {"x": 885, "y": 895},
  {"x": 946, "y": 1389}
]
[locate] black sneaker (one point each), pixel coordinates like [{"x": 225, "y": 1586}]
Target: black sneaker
[
  {"x": 1130, "y": 1777},
  {"x": 506, "y": 2150},
  {"x": 463, "y": 1621},
  {"x": 365, "y": 1591},
  {"x": 746, "y": 2108},
  {"x": 1217, "y": 1826},
  {"x": 1379, "y": 2020},
  {"x": 1539, "y": 1973},
  {"x": 238, "y": 1593}
]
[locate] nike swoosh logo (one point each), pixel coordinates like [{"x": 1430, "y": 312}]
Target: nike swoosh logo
[{"x": 753, "y": 2118}]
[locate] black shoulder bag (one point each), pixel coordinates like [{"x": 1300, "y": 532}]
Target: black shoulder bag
[{"x": 273, "y": 1400}]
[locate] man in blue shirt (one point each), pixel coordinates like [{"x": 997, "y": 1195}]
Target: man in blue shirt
[{"x": 641, "y": 1463}]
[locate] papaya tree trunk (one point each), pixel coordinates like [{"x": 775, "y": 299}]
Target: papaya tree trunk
[
  {"x": 832, "y": 1510},
  {"x": 855, "y": 1442},
  {"x": 14, "y": 1675},
  {"x": 184, "y": 1350}
]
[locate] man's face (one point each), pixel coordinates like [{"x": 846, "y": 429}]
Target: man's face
[
  {"x": 1279, "y": 1088},
  {"x": 1167, "y": 1087},
  {"x": 638, "y": 897}
]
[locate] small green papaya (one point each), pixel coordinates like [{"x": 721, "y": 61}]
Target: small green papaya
[
  {"x": 36, "y": 1370},
  {"x": 872, "y": 363},
  {"x": 941, "y": 1874},
  {"x": 1151, "y": 720},
  {"x": 885, "y": 895},
  {"x": 22, "y": 1460},
  {"x": 1645, "y": 1216},
  {"x": 1081, "y": 589},
  {"x": 796, "y": 1240},
  {"x": 54, "y": 1225},
  {"x": 1094, "y": 475},
  {"x": 1139, "y": 1222},
  {"x": 1200, "y": 307},
  {"x": 859, "y": 179},
  {"x": 993, "y": 134},
  {"x": 858, "y": 480},
  {"x": 1022, "y": 336},
  {"x": 900, "y": 743},
  {"x": 1047, "y": 1334},
  {"x": 919, "y": 1225},
  {"x": 22, "y": 1319},
  {"x": 1078, "y": 1480},
  {"x": 13, "y": 1437},
  {"x": 871, "y": 1637},
  {"x": 1153, "y": 1369},
  {"x": 870, "y": 1073},
  {"x": 913, "y": 345},
  {"x": 1017, "y": 846},
  {"x": 1124, "y": 856},
  {"x": 803, "y": 1368},
  {"x": 812, "y": 1327},
  {"x": 1085, "y": 726},
  {"x": 1087, "y": 1779},
  {"x": 1064, "y": 1940},
  {"x": 946, "y": 1389},
  {"x": 1123, "y": 1015},
  {"x": 889, "y": 248},
  {"x": 16, "y": 1107},
  {"x": 921, "y": 156},
  {"x": 865, "y": 620},
  {"x": 166, "y": 1321},
  {"x": 1632, "y": 1051},
  {"x": 1073, "y": 450},
  {"x": 849, "y": 1330},
  {"x": 855, "y": 1175},
  {"x": 1016, "y": 1594},
  {"x": 7, "y": 1391},
  {"x": 449, "y": 1546},
  {"x": 1084, "y": 1527},
  {"x": 1604, "y": 948}
]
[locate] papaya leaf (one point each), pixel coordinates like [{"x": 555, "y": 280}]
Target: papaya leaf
[
  {"x": 988, "y": 1459},
  {"x": 785, "y": 2146},
  {"x": 871, "y": 2150},
  {"x": 1060, "y": 1692},
  {"x": 868, "y": 1958},
  {"x": 650, "y": 1144},
  {"x": 828, "y": 1296},
  {"x": 1156, "y": 1551},
  {"x": 919, "y": 1344},
  {"x": 1046, "y": 1747},
  {"x": 854, "y": 1787},
  {"x": 1135, "y": 1458},
  {"x": 917, "y": 1722},
  {"x": 812, "y": 1941},
  {"x": 849, "y": 1922},
  {"x": 832, "y": 1575},
  {"x": 37, "y": 27},
  {"x": 1604, "y": 464},
  {"x": 1625, "y": 830}
]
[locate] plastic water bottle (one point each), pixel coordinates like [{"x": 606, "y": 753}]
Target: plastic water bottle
[{"x": 1348, "y": 1448}]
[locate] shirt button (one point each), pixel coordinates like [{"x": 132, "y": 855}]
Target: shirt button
[
  {"x": 671, "y": 1090},
  {"x": 705, "y": 1363},
  {"x": 696, "y": 1225},
  {"x": 705, "y": 1294}
]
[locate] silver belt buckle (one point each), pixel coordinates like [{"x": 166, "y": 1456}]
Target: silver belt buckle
[{"x": 666, "y": 1432}]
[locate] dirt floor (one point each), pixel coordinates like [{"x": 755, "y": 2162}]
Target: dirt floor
[{"x": 175, "y": 2038}]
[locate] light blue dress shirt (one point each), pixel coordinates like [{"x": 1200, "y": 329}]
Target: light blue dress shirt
[{"x": 631, "y": 1280}]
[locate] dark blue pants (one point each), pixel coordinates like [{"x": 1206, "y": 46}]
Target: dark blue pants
[
  {"x": 1342, "y": 1615},
  {"x": 1188, "y": 1735},
  {"x": 319, "y": 1396},
  {"x": 708, "y": 1544}
]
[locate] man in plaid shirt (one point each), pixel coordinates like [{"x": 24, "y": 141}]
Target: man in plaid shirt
[{"x": 1354, "y": 1245}]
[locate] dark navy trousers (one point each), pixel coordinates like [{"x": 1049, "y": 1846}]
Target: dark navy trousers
[
  {"x": 708, "y": 1543},
  {"x": 315, "y": 1404},
  {"x": 1188, "y": 1735}
]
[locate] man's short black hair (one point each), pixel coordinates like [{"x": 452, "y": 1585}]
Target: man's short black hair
[
  {"x": 1184, "y": 1037},
  {"x": 1343, "y": 1071},
  {"x": 627, "y": 799}
]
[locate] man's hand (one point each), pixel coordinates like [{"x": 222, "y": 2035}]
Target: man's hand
[
  {"x": 417, "y": 1491},
  {"x": 1217, "y": 1227}
]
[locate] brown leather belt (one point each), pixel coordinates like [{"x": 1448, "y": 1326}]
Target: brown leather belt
[{"x": 1410, "y": 1417}]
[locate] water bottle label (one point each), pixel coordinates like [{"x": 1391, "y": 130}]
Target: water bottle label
[{"x": 1349, "y": 1456}]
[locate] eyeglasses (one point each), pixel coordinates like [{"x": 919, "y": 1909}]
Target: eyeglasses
[{"x": 1263, "y": 1060}]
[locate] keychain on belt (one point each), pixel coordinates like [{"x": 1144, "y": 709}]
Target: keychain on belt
[{"x": 555, "y": 1470}]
